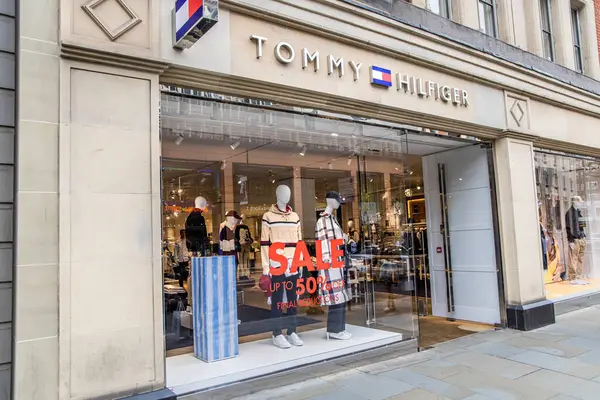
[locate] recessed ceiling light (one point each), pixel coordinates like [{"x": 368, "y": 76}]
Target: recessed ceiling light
[{"x": 334, "y": 134}]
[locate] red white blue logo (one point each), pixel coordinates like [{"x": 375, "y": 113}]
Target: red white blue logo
[
  {"x": 187, "y": 15},
  {"x": 381, "y": 76}
]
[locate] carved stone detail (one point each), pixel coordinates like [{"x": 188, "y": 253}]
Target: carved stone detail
[
  {"x": 112, "y": 34},
  {"x": 517, "y": 112}
]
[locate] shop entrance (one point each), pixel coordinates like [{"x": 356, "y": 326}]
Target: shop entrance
[{"x": 240, "y": 179}]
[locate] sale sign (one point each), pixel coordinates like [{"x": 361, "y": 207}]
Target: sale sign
[{"x": 302, "y": 257}]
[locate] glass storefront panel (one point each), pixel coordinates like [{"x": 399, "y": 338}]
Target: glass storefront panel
[
  {"x": 258, "y": 187},
  {"x": 569, "y": 207}
]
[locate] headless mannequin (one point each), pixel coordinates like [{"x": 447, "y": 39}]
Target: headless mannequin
[
  {"x": 195, "y": 228},
  {"x": 328, "y": 229},
  {"x": 282, "y": 225},
  {"x": 577, "y": 242}
]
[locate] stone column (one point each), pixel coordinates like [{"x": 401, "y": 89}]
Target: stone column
[
  {"x": 591, "y": 62},
  {"x": 506, "y": 22},
  {"x": 466, "y": 12},
  {"x": 527, "y": 307},
  {"x": 561, "y": 29},
  {"x": 529, "y": 23},
  {"x": 36, "y": 329}
]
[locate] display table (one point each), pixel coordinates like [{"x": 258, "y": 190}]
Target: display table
[{"x": 214, "y": 308}]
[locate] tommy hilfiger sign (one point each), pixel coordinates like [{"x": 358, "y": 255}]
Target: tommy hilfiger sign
[{"x": 378, "y": 75}]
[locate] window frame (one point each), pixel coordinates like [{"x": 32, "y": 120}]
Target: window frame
[
  {"x": 549, "y": 33},
  {"x": 445, "y": 7},
  {"x": 577, "y": 43},
  {"x": 492, "y": 5}
]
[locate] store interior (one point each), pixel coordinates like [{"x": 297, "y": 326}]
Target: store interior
[
  {"x": 236, "y": 157},
  {"x": 569, "y": 209}
]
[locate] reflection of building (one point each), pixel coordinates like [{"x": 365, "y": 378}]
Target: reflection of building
[{"x": 112, "y": 123}]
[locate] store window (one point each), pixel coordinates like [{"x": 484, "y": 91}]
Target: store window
[
  {"x": 247, "y": 189},
  {"x": 569, "y": 208}
]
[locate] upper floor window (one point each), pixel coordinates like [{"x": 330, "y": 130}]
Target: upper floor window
[
  {"x": 487, "y": 17},
  {"x": 440, "y": 7},
  {"x": 547, "y": 38},
  {"x": 576, "y": 27}
]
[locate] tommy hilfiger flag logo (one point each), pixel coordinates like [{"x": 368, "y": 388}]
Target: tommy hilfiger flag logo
[
  {"x": 187, "y": 13},
  {"x": 381, "y": 76}
]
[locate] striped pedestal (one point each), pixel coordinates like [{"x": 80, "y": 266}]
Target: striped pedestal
[{"x": 214, "y": 308}]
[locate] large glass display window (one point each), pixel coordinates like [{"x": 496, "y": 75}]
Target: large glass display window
[
  {"x": 291, "y": 236},
  {"x": 569, "y": 208}
]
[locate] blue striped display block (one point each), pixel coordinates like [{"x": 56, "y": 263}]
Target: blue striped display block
[{"x": 214, "y": 308}]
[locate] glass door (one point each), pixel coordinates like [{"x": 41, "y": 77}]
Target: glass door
[{"x": 389, "y": 248}]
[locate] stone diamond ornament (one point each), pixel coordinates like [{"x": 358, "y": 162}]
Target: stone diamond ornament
[{"x": 113, "y": 34}]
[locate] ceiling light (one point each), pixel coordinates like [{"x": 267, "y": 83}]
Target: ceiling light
[
  {"x": 397, "y": 169},
  {"x": 273, "y": 181},
  {"x": 334, "y": 134},
  {"x": 179, "y": 139},
  {"x": 303, "y": 151},
  {"x": 234, "y": 145},
  {"x": 180, "y": 191},
  {"x": 349, "y": 160},
  {"x": 411, "y": 172},
  {"x": 418, "y": 187},
  {"x": 371, "y": 180},
  {"x": 224, "y": 164}
]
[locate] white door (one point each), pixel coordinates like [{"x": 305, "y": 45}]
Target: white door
[{"x": 464, "y": 279}]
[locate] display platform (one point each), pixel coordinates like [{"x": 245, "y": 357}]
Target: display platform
[
  {"x": 187, "y": 374},
  {"x": 560, "y": 291}
]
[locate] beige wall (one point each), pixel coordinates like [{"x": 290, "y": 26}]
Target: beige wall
[{"x": 110, "y": 266}]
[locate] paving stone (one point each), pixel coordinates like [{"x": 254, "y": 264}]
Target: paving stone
[
  {"x": 495, "y": 387},
  {"x": 418, "y": 394},
  {"x": 493, "y": 365},
  {"x": 372, "y": 387},
  {"x": 563, "y": 384},
  {"x": 497, "y": 349},
  {"x": 438, "y": 368},
  {"x": 430, "y": 384},
  {"x": 546, "y": 346},
  {"x": 584, "y": 343},
  {"x": 558, "y": 364}
]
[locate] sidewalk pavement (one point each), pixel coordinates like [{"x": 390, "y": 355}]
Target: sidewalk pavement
[{"x": 561, "y": 361}]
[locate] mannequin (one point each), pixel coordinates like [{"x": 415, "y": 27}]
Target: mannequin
[
  {"x": 195, "y": 228},
  {"x": 575, "y": 225},
  {"x": 243, "y": 246},
  {"x": 333, "y": 290},
  {"x": 352, "y": 232},
  {"x": 227, "y": 234},
  {"x": 282, "y": 225}
]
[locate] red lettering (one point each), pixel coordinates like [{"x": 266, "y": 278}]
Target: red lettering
[
  {"x": 337, "y": 253},
  {"x": 278, "y": 258},
  {"x": 319, "y": 249},
  {"x": 301, "y": 258}
]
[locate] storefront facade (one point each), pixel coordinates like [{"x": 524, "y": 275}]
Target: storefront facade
[{"x": 135, "y": 131}]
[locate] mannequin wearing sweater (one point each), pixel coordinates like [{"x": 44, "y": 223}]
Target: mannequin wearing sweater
[
  {"x": 282, "y": 225},
  {"x": 333, "y": 291}
]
